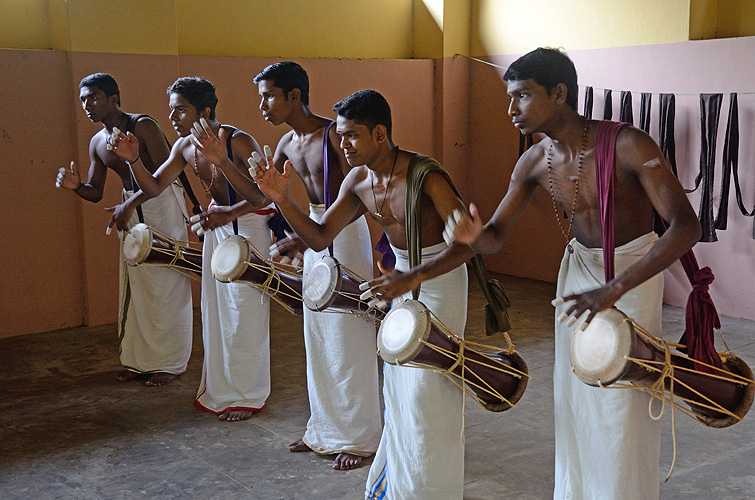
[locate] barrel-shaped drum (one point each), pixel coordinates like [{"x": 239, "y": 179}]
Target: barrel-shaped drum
[
  {"x": 408, "y": 334},
  {"x": 143, "y": 245},
  {"x": 602, "y": 354},
  {"x": 328, "y": 286},
  {"x": 234, "y": 261}
]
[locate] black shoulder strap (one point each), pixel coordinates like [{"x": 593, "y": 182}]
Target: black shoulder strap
[
  {"x": 196, "y": 208},
  {"x": 229, "y": 188}
]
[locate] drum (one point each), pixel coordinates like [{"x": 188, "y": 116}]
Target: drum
[
  {"x": 144, "y": 245},
  {"x": 614, "y": 348},
  {"x": 235, "y": 260},
  {"x": 328, "y": 285},
  {"x": 407, "y": 334}
]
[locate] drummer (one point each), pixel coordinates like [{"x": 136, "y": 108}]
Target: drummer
[
  {"x": 421, "y": 454},
  {"x": 155, "y": 313},
  {"x": 235, "y": 317},
  {"x": 607, "y": 446}
]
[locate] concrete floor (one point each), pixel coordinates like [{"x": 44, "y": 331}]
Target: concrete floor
[{"x": 68, "y": 430}]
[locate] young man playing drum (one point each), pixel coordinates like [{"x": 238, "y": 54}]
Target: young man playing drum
[
  {"x": 342, "y": 372},
  {"x": 607, "y": 446},
  {"x": 235, "y": 316},
  {"x": 421, "y": 454},
  {"x": 155, "y": 314}
]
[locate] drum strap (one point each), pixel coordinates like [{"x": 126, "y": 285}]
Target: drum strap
[
  {"x": 326, "y": 157},
  {"x": 196, "y": 208},
  {"x": 229, "y": 189},
  {"x": 701, "y": 317},
  {"x": 496, "y": 311}
]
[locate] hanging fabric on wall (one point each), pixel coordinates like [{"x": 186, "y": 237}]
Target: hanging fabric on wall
[
  {"x": 607, "y": 105},
  {"x": 730, "y": 168},
  {"x": 710, "y": 111},
  {"x": 645, "y": 101},
  {"x": 625, "y": 113},
  {"x": 667, "y": 103},
  {"x": 587, "y": 110}
]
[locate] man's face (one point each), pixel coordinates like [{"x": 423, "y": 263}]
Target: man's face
[
  {"x": 95, "y": 103},
  {"x": 359, "y": 144},
  {"x": 182, "y": 114},
  {"x": 274, "y": 104},
  {"x": 530, "y": 105}
]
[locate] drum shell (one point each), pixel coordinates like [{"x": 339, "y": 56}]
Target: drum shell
[
  {"x": 164, "y": 252},
  {"x": 342, "y": 290}
]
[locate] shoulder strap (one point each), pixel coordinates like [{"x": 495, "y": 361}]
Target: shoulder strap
[
  {"x": 229, "y": 189},
  {"x": 496, "y": 311},
  {"x": 327, "y": 193},
  {"x": 605, "y": 160}
]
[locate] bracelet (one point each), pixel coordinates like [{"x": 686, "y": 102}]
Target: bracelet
[
  {"x": 134, "y": 161},
  {"x": 76, "y": 189}
]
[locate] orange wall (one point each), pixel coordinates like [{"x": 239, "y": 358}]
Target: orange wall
[{"x": 60, "y": 269}]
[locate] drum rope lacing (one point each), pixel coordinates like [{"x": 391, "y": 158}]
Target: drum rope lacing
[
  {"x": 177, "y": 253},
  {"x": 460, "y": 359},
  {"x": 665, "y": 368},
  {"x": 272, "y": 284}
]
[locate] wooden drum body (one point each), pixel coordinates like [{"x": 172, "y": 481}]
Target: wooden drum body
[
  {"x": 234, "y": 261},
  {"x": 143, "y": 245},
  {"x": 327, "y": 286},
  {"x": 408, "y": 334},
  {"x": 600, "y": 356}
]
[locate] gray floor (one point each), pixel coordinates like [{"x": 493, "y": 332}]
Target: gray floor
[{"x": 68, "y": 430}]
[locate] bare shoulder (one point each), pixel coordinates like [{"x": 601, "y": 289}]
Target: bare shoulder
[
  {"x": 145, "y": 127},
  {"x": 532, "y": 163},
  {"x": 635, "y": 149},
  {"x": 284, "y": 143}
]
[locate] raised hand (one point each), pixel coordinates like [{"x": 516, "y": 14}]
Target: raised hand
[
  {"x": 463, "y": 228},
  {"x": 271, "y": 182},
  {"x": 68, "y": 178},
  {"x": 124, "y": 145},
  {"x": 211, "y": 147}
]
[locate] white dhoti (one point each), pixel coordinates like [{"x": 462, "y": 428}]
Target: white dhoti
[
  {"x": 235, "y": 329},
  {"x": 342, "y": 376},
  {"x": 607, "y": 446},
  {"x": 421, "y": 453},
  {"x": 155, "y": 316}
]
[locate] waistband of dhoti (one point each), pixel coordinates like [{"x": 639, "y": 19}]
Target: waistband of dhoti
[
  {"x": 426, "y": 252},
  {"x": 318, "y": 208},
  {"x": 630, "y": 246},
  {"x": 262, "y": 211}
]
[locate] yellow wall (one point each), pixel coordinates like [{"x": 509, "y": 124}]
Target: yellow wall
[
  {"x": 721, "y": 19},
  {"x": 514, "y": 27}
]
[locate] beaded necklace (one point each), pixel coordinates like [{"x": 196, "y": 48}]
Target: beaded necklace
[
  {"x": 576, "y": 188},
  {"x": 196, "y": 171}
]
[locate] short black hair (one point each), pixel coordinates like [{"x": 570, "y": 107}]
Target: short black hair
[
  {"x": 548, "y": 67},
  {"x": 104, "y": 82},
  {"x": 198, "y": 91},
  {"x": 366, "y": 107},
  {"x": 287, "y": 76}
]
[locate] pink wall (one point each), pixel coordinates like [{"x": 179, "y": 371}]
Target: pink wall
[
  {"x": 685, "y": 69},
  {"x": 60, "y": 269}
]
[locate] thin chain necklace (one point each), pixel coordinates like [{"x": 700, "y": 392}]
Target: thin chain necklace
[
  {"x": 379, "y": 210},
  {"x": 196, "y": 171},
  {"x": 576, "y": 188}
]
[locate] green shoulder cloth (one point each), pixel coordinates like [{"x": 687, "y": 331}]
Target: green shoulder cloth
[{"x": 496, "y": 310}]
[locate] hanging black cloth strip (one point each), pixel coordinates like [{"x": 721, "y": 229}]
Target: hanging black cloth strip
[
  {"x": 645, "y": 104},
  {"x": 587, "y": 111},
  {"x": 667, "y": 103},
  {"x": 731, "y": 166},
  {"x": 607, "y": 105},
  {"x": 625, "y": 114},
  {"x": 231, "y": 192},
  {"x": 710, "y": 111}
]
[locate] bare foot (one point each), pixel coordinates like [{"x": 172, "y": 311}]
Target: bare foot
[
  {"x": 346, "y": 461},
  {"x": 298, "y": 445},
  {"x": 235, "y": 415},
  {"x": 126, "y": 375},
  {"x": 160, "y": 378}
]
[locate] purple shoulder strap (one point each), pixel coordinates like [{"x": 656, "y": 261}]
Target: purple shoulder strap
[
  {"x": 605, "y": 160},
  {"x": 327, "y": 194}
]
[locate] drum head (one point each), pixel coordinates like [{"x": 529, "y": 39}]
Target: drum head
[
  {"x": 320, "y": 284},
  {"x": 402, "y": 332},
  {"x": 599, "y": 353},
  {"x": 137, "y": 244},
  {"x": 229, "y": 257}
]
